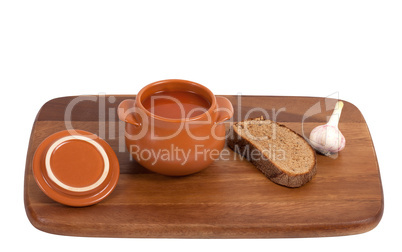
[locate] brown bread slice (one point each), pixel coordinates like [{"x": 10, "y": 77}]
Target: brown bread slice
[{"x": 277, "y": 151}]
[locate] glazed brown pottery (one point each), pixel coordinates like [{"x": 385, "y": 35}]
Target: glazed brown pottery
[
  {"x": 175, "y": 127},
  {"x": 75, "y": 168}
]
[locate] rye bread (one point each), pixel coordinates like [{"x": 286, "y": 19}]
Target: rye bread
[{"x": 278, "y": 152}]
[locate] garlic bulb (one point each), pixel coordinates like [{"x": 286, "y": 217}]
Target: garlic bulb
[{"x": 327, "y": 138}]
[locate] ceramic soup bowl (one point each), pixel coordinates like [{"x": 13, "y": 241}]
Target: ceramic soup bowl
[{"x": 175, "y": 127}]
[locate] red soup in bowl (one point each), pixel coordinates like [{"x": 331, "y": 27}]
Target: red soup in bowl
[{"x": 175, "y": 127}]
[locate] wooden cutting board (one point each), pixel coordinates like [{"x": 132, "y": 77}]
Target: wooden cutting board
[{"x": 229, "y": 199}]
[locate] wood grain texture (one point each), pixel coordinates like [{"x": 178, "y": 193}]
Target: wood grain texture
[{"x": 229, "y": 199}]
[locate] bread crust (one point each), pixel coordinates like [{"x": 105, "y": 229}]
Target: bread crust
[{"x": 268, "y": 168}]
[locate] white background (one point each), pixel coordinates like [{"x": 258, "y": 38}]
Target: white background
[{"x": 56, "y": 48}]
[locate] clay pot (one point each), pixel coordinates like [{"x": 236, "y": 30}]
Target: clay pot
[{"x": 175, "y": 146}]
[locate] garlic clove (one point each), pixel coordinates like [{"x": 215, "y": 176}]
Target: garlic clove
[{"x": 328, "y": 139}]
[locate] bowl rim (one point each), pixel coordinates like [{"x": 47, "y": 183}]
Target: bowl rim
[{"x": 208, "y": 113}]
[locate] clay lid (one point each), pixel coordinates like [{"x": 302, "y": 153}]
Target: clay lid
[{"x": 75, "y": 168}]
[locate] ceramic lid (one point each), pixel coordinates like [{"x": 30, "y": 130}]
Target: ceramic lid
[{"x": 75, "y": 168}]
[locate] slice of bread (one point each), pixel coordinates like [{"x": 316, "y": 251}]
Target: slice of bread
[{"x": 277, "y": 151}]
